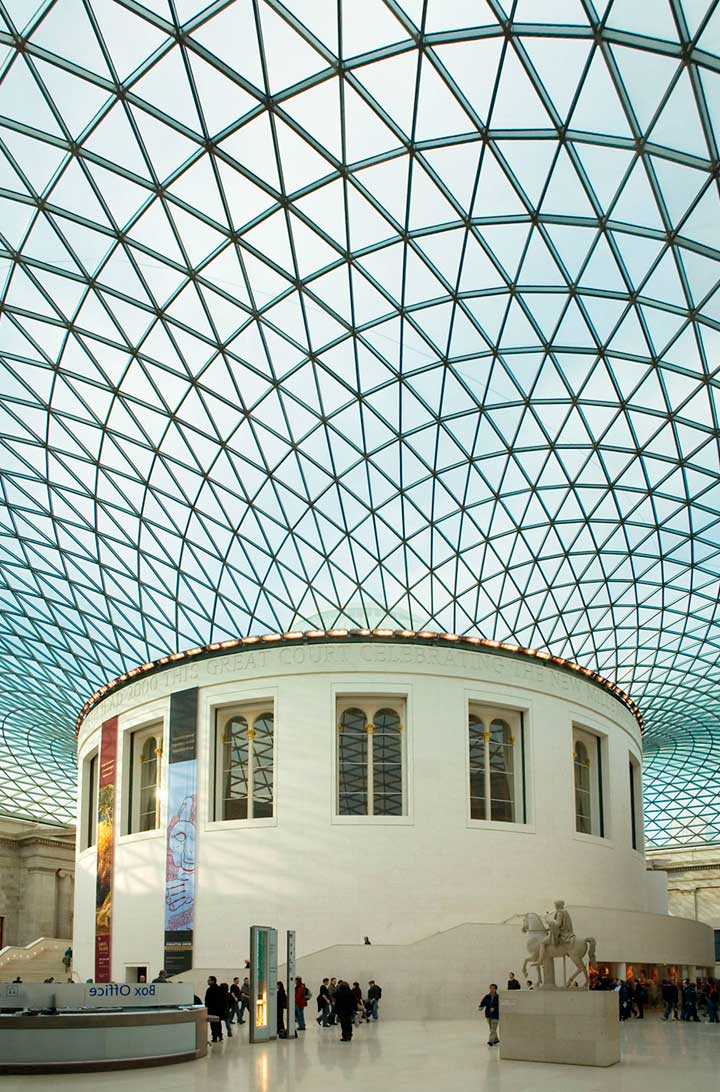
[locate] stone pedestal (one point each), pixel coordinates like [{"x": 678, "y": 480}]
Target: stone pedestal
[{"x": 576, "y": 1027}]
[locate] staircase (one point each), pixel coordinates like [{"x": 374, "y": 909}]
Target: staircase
[{"x": 35, "y": 962}]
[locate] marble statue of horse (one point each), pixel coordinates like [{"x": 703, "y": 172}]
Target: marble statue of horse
[{"x": 541, "y": 951}]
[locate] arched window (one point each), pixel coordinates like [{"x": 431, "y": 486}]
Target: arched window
[
  {"x": 144, "y": 758},
  {"x": 262, "y": 783},
  {"x": 370, "y": 758},
  {"x": 235, "y": 768},
  {"x": 583, "y": 802},
  {"x": 353, "y": 763},
  {"x": 244, "y": 780},
  {"x": 502, "y": 788},
  {"x": 589, "y": 751},
  {"x": 149, "y": 784},
  {"x": 476, "y": 730},
  {"x": 387, "y": 763},
  {"x": 496, "y": 766}
]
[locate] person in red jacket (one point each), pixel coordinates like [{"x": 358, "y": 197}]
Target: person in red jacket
[{"x": 301, "y": 1001}]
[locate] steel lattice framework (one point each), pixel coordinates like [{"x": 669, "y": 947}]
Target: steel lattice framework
[{"x": 368, "y": 313}]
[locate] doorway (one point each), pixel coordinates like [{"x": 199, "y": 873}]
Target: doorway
[{"x": 136, "y": 972}]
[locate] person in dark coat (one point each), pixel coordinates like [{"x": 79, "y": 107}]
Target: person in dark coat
[
  {"x": 625, "y": 999},
  {"x": 491, "y": 1004},
  {"x": 323, "y": 1004},
  {"x": 345, "y": 1004},
  {"x": 670, "y": 999},
  {"x": 215, "y": 1003},
  {"x": 281, "y": 1006},
  {"x": 689, "y": 1002}
]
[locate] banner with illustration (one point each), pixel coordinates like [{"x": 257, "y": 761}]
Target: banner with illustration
[
  {"x": 105, "y": 849},
  {"x": 181, "y": 808}
]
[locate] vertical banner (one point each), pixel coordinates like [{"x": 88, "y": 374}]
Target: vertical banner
[
  {"x": 105, "y": 849},
  {"x": 291, "y": 972},
  {"x": 181, "y": 810},
  {"x": 263, "y": 984}
]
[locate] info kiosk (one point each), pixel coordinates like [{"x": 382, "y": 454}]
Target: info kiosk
[{"x": 68, "y": 1028}]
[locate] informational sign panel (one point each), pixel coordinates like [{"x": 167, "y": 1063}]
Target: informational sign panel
[
  {"x": 181, "y": 828},
  {"x": 99, "y": 995},
  {"x": 263, "y": 983},
  {"x": 290, "y": 984},
  {"x": 105, "y": 850}
]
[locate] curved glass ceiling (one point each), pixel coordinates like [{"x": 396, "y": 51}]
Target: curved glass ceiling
[{"x": 400, "y": 313}]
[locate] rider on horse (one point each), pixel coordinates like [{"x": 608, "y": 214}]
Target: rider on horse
[{"x": 560, "y": 926}]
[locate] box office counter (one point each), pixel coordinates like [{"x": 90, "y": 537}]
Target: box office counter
[{"x": 68, "y": 1028}]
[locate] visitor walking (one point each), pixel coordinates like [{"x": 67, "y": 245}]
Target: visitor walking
[
  {"x": 689, "y": 1002},
  {"x": 281, "y": 1006},
  {"x": 513, "y": 983},
  {"x": 235, "y": 999},
  {"x": 244, "y": 1000},
  {"x": 639, "y": 998},
  {"x": 301, "y": 1001},
  {"x": 214, "y": 1003},
  {"x": 332, "y": 989},
  {"x": 323, "y": 1003},
  {"x": 227, "y": 1015},
  {"x": 359, "y": 1010},
  {"x": 67, "y": 959},
  {"x": 345, "y": 1007},
  {"x": 366, "y": 940},
  {"x": 491, "y": 1004},
  {"x": 374, "y": 994},
  {"x": 713, "y": 999},
  {"x": 625, "y": 999},
  {"x": 670, "y": 999}
]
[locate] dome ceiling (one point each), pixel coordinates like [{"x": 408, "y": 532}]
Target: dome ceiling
[{"x": 395, "y": 313}]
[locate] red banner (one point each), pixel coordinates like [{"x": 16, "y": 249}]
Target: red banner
[{"x": 105, "y": 846}]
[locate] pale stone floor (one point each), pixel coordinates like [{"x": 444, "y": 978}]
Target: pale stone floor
[{"x": 415, "y": 1056}]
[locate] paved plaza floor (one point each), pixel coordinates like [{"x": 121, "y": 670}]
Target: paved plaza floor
[{"x": 416, "y": 1056}]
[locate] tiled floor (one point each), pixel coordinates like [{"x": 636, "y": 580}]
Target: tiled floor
[{"x": 417, "y": 1056}]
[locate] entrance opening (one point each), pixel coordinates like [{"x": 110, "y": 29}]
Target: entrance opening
[{"x": 136, "y": 972}]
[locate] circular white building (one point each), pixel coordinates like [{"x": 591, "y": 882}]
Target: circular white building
[{"x": 395, "y": 785}]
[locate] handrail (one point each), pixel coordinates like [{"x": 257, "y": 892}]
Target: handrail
[{"x": 31, "y": 951}]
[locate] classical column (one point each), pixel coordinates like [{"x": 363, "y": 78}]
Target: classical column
[{"x": 64, "y": 903}]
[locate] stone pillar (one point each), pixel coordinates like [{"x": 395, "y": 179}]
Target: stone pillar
[
  {"x": 64, "y": 904},
  {"x": 622, "y": 971},
  {"x": 38, "y": 917}
]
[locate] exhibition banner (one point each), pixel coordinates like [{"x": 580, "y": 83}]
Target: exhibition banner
[
  {"x": 181, "y": 827},
  {"x": 105, "y": 849}
]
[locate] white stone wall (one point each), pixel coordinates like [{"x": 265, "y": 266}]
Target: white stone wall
[
  {"x": 396, "y": 879},
  {"x": 36, "y": 881}
]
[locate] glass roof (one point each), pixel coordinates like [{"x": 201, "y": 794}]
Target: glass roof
[{"x": 398, "y": 313}]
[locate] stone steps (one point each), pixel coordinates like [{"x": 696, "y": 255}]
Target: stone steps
[{"x": 34, "y": 963}]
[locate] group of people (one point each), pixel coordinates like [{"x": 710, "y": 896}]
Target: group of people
[
  {"x": 690, "y": 999},
  {"x": 338, "y": 1002},
  {"x": 686, "y": 1002},
  {"x": 226, "y": 1005}
]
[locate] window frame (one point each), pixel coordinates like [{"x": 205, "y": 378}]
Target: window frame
[
  {"x": 596, "y": 744},
  {"x": 517, "y": 719},
  {"x": 367, "y": 696},
  {"x": 89, "y": 799},
  {"x": 134, "y": 739},
  {"x": 251, "y": 708},
  {"x": 637, "y": 831}
]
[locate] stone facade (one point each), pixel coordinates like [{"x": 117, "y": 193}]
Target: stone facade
[
  {"x": 37, "y": 873},
  {"x": 693, "y": 878}
]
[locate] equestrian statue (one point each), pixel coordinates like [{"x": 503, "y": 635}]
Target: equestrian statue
[{"x": 549, "y": 938}]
